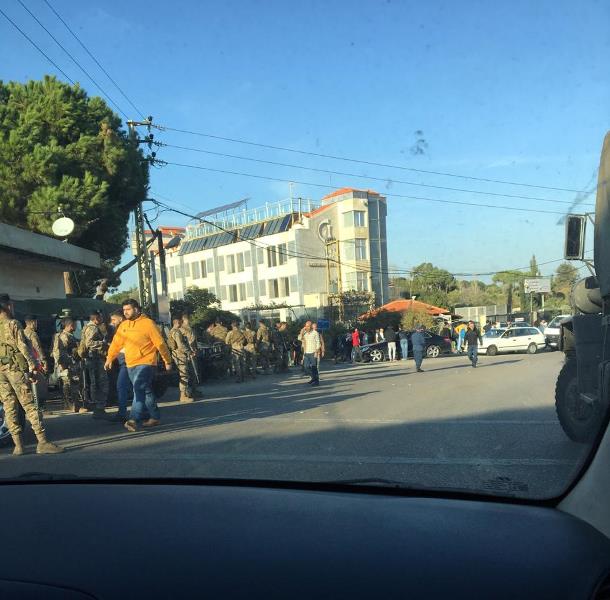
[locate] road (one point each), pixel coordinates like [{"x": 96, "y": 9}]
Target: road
[{"x": 492, "y": 428}]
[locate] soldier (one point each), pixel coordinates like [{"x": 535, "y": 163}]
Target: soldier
[
  {"x": 250, "y": 349},
  {"x": 17, "y": 369},
  {"x": 180, "y": 350},
  {"x": 31, "y": 324},
  {"x": 92, "y": 350},
  {"x": 191, "y": 339},
  {"x": 65, "y": 348},
  {"x": 219, "y": 333},
  {"x": 280, "y": 352},
  {"x": 263, "y": 340},
  {"x": 236, "y": 340}
]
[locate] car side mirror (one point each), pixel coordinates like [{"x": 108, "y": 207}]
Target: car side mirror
[{"x": 575, "y": 237}]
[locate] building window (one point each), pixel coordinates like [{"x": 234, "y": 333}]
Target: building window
[
  {"x": 360, "y": 248},
  {"x": 172, "y": 274},
  {"x": 195, "y": 270},
  {"x": 354, "y": 218},
  {"x": 209, "y": 263},
  {"x": 271, "y": 257},
  {"x": 221, "y": 263},
  {"x": 203, "y": 269},
  {"x": 232, "y": 293},
  {"x": 178, "y": 271},
  {"x": 240, "y": 262},
  {"x": 242, "y": 292},
  {"x": 362, "y": 284},
  {"x": 260, "y": 256},
  {"x": 187, "y": 270},
  {"x": 285, "y": 286},
  {"x": 231, "y": 264},
  {"x": 274, "y": 288},
  {"x": 282, "y": 251}
]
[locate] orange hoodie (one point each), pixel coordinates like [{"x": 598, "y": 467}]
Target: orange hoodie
[{"x": 141, "y": 340}]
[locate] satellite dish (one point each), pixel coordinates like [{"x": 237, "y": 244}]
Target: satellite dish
[{"x": 63, "y": 227}]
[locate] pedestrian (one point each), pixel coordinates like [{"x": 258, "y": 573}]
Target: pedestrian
[
  {"x": 250, "y": 350},
  {"x": 17, "y": 371},
  {"x": 487, "y": 326},
  {"x": 365, "y": 338},
  {"x": 473, "y": 339},
  {"x": 141, "y": 339},
  {"x": 40, "y": 385},
  {"x": 263, "y": 340},
  {"x": 381, "y": 335},
  {"x": 92, "y": 350},
  {"x": 390, "y": 335},
  {"x": 180, "y": 350},
  {"x": 543, "y": 325},
  {"x": 403, "y": 336},
  {"x": 418, "y": 342},
  {"x": 356, "y": 352},
  {"x": 446, "y": 331},
  {"x": 311, "y": 352},
  {"x": 123, "y": 384},
  {"x": 314, "y": 326},
  {"x": 461, "y": 336},
  {"x": 236, "y": 340},
  {"x": 67, "y": 365}
]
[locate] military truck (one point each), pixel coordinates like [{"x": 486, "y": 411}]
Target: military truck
[{"x": 582, "y": 392}]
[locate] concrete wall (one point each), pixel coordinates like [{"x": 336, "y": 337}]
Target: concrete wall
[{"x": 29, "y": 280}]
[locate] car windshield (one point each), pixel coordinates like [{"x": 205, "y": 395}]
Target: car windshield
[
  {"x": 284, "y": 241},
  {"x": 556, "y": 322}
]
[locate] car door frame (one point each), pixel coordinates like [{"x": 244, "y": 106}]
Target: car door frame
[{"x": 510, "y": 343}]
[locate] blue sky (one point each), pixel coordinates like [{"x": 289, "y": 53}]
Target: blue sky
[{"x": 505, "y": 90}]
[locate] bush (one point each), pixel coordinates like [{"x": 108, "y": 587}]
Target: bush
[{"x": 411, "y": 318}]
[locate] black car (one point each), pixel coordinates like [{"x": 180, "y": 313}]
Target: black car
[{"x": 435, "y": 346}]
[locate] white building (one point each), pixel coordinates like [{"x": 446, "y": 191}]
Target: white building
[{"x": 289, "y": 253}]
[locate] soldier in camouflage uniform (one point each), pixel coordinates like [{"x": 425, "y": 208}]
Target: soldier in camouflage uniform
[
  {"x": 65, "y": 348},
  {"x": 250, "y": 349},
  {"x": 31, "y": 335},
  {"x": 191, "y": 339},
  {"x": 92, "y": 349},
  {"x": 236, "y": 340},
  {"x": 219, "y": 333},
  {"x": 263, "y": 343},
  {"x": 17, "y": 368},
  {"x": 181, "y": 351}
]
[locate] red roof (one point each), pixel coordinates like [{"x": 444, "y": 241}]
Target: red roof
[{"x": 404, "y": 305}]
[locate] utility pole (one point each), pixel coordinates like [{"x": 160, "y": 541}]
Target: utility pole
[{"x": 144, "y": 274}]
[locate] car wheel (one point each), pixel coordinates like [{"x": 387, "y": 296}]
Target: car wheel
[
  {"x": 433, "y": 351},
  {"x": 377, "y": 355},
  {"x": 492, "y": 350},
  {"x": 532, "y": 348}
]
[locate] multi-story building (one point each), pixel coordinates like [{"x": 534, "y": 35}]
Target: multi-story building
[{"x": 291, "y": 253}]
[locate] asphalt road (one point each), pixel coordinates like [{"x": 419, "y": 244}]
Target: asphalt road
[{"x": 488, "y": 429}]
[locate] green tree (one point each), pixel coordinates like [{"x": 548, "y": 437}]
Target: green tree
[
  {"x": 432, "y": 285},
  {"x": 411, "y": 318},
  {"x": 60, "y": 147},
  {"x": 119, "y": 297},
  {"x": 534, "y": 270}
]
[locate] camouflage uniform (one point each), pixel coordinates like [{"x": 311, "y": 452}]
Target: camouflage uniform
[
  {"x": 64, "y": 349},
  {"x": 190, "y": 336},
  {"x": 280, "y": 352},
  {"x": 250, "y": 349},
  {"x": 263, "y": 345},
  {"x": 219, "y": 333},
  {"x": 16, "y": 359},
  {"x": 92, "y": 349},
  {"x": 39, "y": 353},
  {"x": 180, "y": 350},
  {"x": 237, "y": 340}
]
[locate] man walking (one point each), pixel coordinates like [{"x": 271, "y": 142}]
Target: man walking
[
  {"x": 65, "y": 348},
  {"x": 390, "y": 335},
  {"x": 180, "y": 351},
  {"x": 17, "y": 369},
  {"x": 473, "y": 339},
  {"x": 403, "y": 336},
  {"x": 314, "y": 326},
  {"x": 356, "y": 352},
  {"x": 139, "y": 337},
  {"x": 123, "y": 383},
  {"x": 418, "y": 341},
  {"x": 311, "y": 352},
  {"x": 236, "y": 340},
  {"x": 92, "y": 350}
]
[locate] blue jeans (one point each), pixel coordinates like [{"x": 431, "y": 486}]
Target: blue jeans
[
  {"x": 404, "y": 348},
  {"x": 141, "y": 378},
  {"x": 310, "y": 362},
  {"x": 473, "y": 355},
  {"x": 123, "y": 389},
  {"x": 418, "y": 355}
]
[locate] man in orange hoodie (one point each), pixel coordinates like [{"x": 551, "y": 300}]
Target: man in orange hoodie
[{"x": 139, "y": 337}]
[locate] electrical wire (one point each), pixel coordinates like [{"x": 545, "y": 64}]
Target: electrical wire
[
  {"x": 389, "y": 195},
  {"x": 97, "y": 62},
  {"x": 343, "y": 174},
  {"x": 99, "y": 87},
  {"x": 27, "y": 37},
  {"x": 363, "y": 162}
]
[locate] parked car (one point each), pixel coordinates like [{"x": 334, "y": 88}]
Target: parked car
[
  {"x": 435, "y": 346},
  {"x": 553, "y": 329},
  {"x": 514, "y": 339}
]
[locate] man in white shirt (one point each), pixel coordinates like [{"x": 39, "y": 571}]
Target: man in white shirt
[{"x": 311, "y": 351}]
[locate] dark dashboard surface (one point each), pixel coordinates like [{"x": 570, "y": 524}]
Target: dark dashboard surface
[{"x": 172, "y": 541}]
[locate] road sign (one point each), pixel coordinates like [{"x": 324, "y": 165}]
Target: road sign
[
  {"x": 323, "y": 324},
  {"x": 538, "y": 285}
]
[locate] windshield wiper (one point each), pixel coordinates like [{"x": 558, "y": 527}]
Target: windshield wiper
[
  {"x": 378, "y": 481},
  {"x": 41, "y": 476}
]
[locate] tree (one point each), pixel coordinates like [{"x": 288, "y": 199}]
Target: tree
[
  {"x": 432, "y": 285},
  {"x": 411, "y": 318},
  {"x": 120, "y": 297},
  {"x": 534, "y": 270},
  {"x": 60, "y": 147}
]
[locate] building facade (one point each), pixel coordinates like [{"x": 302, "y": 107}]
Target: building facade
[{"x": 292, "y": 253}]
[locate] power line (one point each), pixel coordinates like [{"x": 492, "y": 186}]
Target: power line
[
  {"x": 343, "y": 174},
  {"x": 363, "y": 162},
  {"x": 321, "y": 185},
  {"x": 25, "y": 35},
  {"x": 99, "y": 87},
  {"x": 97, "y": 62}
]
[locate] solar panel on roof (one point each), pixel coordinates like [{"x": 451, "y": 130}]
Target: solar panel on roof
[{"x": 285, "y": 224}]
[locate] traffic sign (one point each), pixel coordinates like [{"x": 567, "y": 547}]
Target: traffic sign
[{"x": 537, "y": 285}]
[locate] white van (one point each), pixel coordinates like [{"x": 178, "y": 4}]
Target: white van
[{"x": 553, "y": 329}]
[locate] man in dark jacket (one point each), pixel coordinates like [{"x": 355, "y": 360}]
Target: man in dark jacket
[
  {"x": 418, "y": 342},
  {"x": 473, "y": 339},
  {"x": 390, "y": 336}
]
